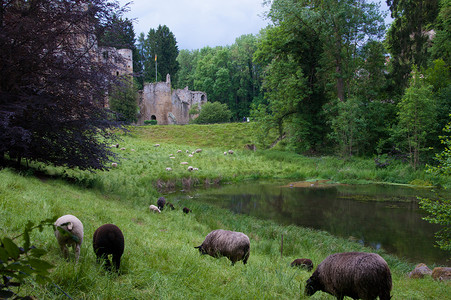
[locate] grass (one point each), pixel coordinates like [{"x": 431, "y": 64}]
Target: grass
[{"x": 159, "y": 260}]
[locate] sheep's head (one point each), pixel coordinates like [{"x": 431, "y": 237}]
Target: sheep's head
[
  {"x": 201, "y": 250},
  {"x": 311, "y": 287}
]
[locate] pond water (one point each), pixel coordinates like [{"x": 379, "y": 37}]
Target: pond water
[{"x": 379, "y": 216}]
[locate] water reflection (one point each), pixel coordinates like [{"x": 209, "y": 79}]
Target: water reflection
[{"x": 379, "y": 216}]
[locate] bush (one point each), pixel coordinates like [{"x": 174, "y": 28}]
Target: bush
[
  {"x": 213, "y": 112},
  {"x": 150, "y": 122}
]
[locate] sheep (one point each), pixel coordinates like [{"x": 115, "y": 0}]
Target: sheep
[
  {"x": 230, "y": 151},
  {"x": 108, "y": 239},
  {"x": 69, "y": 232},
  {"x": 179, "y": 151},
  {"x": 303, "y": 263},
  {"x": 161, "y": 202},
  {"x": 169, "y": 169},
  {"x": 171, "y": 206},
  {"x": 190, "y": 155},
  {"x": 184, "y": 163},
  {"x": 358, "y": 275},
  {"x": 186, "y": 210},
  {"x": 190, "y": 168},
  {"x": 156, "y": 145},
  {"x": 114, "y": 165},
  {"x": 198, "y": 150},
  {"x": 153, "y": 208},
  {"x": 225, "y": 153},
  {"x": 231, "y": 244},
  {"x": 195, "y": 169},
  {"x": 122, "y": 148}
]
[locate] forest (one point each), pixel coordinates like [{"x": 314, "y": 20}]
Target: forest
[{"x": 328, "y": 77}]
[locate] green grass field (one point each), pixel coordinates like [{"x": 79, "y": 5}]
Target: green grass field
[{"x": 160, "y": 261}]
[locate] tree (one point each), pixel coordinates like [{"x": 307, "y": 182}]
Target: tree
[
  {"x": 53, "y": 84},
  {"x": 123, "y": 101},
  {"x": 159, "y": 46},
  {"x": 213, "y": 112},
  {"x": 440, "y": 209},
  {"x": 416, "y": 116},
  {"x": 408, "y": 38}
]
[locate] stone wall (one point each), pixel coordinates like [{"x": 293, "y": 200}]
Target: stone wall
[{"x": 159, "y": 102}]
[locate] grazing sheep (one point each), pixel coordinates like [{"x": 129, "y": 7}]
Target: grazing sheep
[
  {"x": 156, "y": 145},
  {"x": 186, "y": 210},
  {"x": 115, "y": 145},
  {"x": 231, "y": 244},
  {"x": 190, "y": 155},
  {"x": 187, "y": 151},
  {"x": 171, "y": 206},
  {"x": 198, "y": 150},
  {"x": 114, "y": 165},
  {"x": 230, "y": 151},
  {"x": 225, "y": 153},
  {"x": 168, "y": 169},
  {"x": 358, "y": 275},
  {"x": 184, "y": 163},
  {"x": 153, "y": 208},
  {"x": 122, "y": 148},
  {"x": 195, "y": 169},
  {"x": 303, "y": 263},
  {"x": 161, "y": 202},
  {"x": 179, "y": 151},
  {"x": 69, "y": 232},
  {"x": 108, "y": 239},
  {"x": 190, "y": 168},
  {"x": 132, "y": 149}
]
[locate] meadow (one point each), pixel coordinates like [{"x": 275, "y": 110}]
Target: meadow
[{"x": 160, "y": 261}]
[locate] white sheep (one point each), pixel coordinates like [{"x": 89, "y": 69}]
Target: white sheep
[
  {"x": 69, "y": 232},
  {"x": 153, "y": 208},
  {"x": 179, "y": 151},
  {"x": 198, "y": 150},
  {"x": 230, "y": 151},
  {"x": 225, "y": 153},
  {"x": 190, "y": 168},
  {"x": 122, "y": 148},
  {"x": 195, "y": 169},
  {"x": 190, "y": 155},
  {"x": 168, "y": 169},
  {"x": 184, "y": 163},
  {"x": 114, "y": 165},
  {"x": 156, "y": 145}
]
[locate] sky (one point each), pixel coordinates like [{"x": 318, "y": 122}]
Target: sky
[{"x": 200, "y": 23}]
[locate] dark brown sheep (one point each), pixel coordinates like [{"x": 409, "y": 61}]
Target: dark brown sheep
[
  {"x": 233, "y": 245},
  {"x": 358, "y": 275},
  {"x": 186, "y": 210},
  {"x": 108, "y": 239},
  {"x": 170, "y": 205},
  {"x": 303, "y": 263},
  {"x": 161, "y": 202}
]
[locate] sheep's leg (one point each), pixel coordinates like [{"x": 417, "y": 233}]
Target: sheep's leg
[
  {"x": 77, "y": 252},
  {"x": 117, "y": 262},
  {"x": 65, "y": 251}
]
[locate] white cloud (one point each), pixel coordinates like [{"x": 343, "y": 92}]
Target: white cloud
[{"x": 199, "y": 23}]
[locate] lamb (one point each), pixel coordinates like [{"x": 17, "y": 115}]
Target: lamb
[
  {"x": 153, "y": 208},
  {"x": 303, "y": 263},
  {"x": 233, "y": 245},
  {"x": 108, "y": 239},
  {"x": 358, "y": 275},
  {"x": 161, "y": 202},
  {"x": 69, "y": 232}
]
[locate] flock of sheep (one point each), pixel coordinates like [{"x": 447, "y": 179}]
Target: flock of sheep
[{"x": 358, "y": 275}]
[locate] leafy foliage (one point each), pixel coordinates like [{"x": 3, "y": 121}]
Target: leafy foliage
[
  {"x": 123, "y": 101},
  {"x": 440, "y": 209},
  {"x": 52, "y": 87},
  {"x": 18, "y": 264},
  {"x": 213, "y": 112}
]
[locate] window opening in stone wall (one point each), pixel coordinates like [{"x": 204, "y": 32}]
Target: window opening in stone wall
[{"x": 153, "y": 117}]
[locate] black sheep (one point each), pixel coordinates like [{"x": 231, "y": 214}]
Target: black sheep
[
  {"x": 358, "y": 275},
  {"x": 303, "y": 263},
  {"x": 161, "y": 202},
  {"x": 186, "y": 210},
  {"x": 108, "y": 239}
]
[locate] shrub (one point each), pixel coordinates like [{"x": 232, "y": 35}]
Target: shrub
[
  {"x": 150, "y": 122},
  {"x": 213, "y": 112}
]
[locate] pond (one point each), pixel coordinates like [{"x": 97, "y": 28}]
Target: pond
[{"x": 378, "y": 216}]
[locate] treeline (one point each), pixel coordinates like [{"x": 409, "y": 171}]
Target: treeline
[{"x": 327, "y": 76}]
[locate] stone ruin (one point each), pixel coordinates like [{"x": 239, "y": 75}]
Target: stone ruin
[{"x": 157, "y": 101}]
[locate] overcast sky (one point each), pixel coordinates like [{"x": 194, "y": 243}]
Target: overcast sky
[{"x": 200, "y": 23}]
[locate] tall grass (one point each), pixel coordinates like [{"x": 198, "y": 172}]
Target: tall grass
[{"x": 160, "y": 261}]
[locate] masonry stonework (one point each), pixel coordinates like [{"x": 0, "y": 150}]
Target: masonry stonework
[{"x": 158, "y": 101}]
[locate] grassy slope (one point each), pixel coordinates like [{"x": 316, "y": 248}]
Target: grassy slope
[{"x": 159, "y": 261}]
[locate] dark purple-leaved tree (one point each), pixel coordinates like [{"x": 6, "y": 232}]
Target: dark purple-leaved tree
[{"x": 53, "y": 82}]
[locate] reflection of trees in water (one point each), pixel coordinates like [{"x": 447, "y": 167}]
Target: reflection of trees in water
[{"x": 395, "y": 226}]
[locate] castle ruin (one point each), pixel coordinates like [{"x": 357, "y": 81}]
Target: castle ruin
[{"x": 157, "y": 101}]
